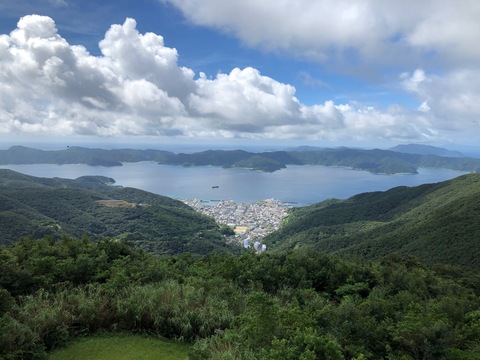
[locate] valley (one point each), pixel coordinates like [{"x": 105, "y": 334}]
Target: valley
[{"x": 361, "y": 277}]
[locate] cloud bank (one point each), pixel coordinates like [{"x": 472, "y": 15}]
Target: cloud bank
[
  {"x": 136, "y": 87},
  {"x": 378, "y": 31}
]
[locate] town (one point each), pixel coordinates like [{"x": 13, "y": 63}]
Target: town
[{"x": 251, "y": 222}]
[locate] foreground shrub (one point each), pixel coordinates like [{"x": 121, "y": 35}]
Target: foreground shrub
[{"x": 172, "y": 310}]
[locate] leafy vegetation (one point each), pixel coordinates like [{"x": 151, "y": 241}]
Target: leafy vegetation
[
  {"x": 436, "y": 222},
  {"x": 294, "y": 305},
  {"x": 37, "y": 207}
]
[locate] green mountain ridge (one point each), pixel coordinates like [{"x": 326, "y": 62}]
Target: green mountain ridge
[
  {"x": 375, "y": 161},
  {"x": 31, "y": 206},
  {"x": 79, "y": 155},
  {"x": 438, "y": 223}
]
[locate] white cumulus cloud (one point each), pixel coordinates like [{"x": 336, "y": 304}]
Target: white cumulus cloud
[
  {"x": 452, "y": 99},
  {"x": 244, "y": 100},
  {"x": 136, "y": 87},
  {"x": 48, "y": 85}
]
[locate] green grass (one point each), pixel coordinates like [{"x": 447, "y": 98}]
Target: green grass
[{"x": 122, "y": 347}]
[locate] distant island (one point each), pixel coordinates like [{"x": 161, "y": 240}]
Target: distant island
[
  {"x": 77, "y": 155},
  {"x": 426, "y": 150},
  {"x": 406, "y": 159}
]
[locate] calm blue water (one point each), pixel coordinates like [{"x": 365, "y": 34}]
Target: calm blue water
[{"x": 299, "y": 184}]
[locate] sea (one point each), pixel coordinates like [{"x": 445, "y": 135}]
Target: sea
[{"x": 299, "y": 185}]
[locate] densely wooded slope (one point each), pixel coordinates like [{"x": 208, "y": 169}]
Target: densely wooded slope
[
  {"x": 287, "y": 306},
  {"x": 439, "y": 223},
  {"x": 31, "y": 206}
]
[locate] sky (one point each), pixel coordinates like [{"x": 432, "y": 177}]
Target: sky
[{"x": 368, "y": 73}]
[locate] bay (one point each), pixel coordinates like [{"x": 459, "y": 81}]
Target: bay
[{"x": 302, "y": 185}]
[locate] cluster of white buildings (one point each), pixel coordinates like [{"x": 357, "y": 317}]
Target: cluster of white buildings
[
  {"x": 257, "y": 245},
  {"x": 250, "y": 221}
]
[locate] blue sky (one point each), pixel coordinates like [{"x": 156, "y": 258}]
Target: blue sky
[{"x": 363, "y": 73}]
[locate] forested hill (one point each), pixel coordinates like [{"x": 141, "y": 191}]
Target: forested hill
[
  {"x": 91, "y": 205},
  {"x": 439, "y": 223},
  {"x": 374, "y": 161},
  {"x": 425, "y": 150},
  {"x": 78, "y": 155}
]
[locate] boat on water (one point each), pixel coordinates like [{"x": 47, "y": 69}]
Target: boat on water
[{"x": 215, "y": 187}]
